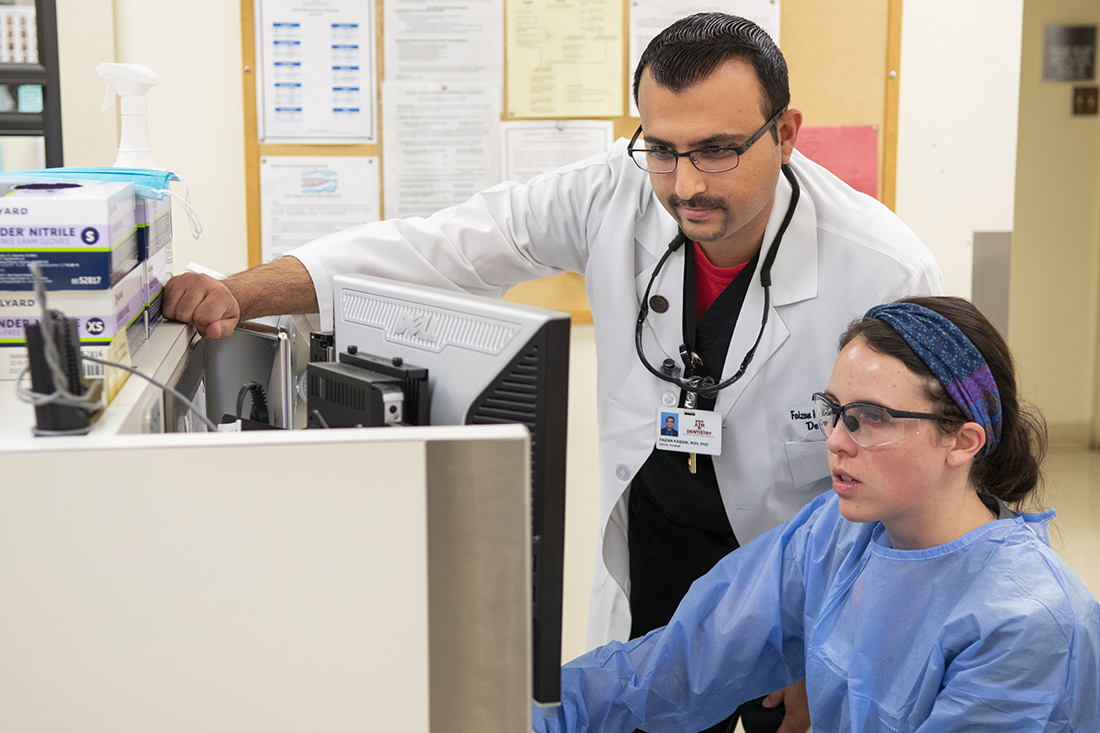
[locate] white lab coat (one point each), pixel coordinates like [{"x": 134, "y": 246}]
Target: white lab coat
[{"x": 843, "y": 252}]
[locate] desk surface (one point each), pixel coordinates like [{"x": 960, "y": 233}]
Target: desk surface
[{"x": 157, "y": 357}]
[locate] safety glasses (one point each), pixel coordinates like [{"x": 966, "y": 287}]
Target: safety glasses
[{"x": 868, "y": 424}]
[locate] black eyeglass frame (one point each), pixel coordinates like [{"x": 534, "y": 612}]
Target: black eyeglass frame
[
  {"x": 739, "y": 150},
  {"x": 839, "y": 410}
]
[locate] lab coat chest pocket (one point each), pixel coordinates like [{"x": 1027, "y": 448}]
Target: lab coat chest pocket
[{"x": 809, "y": 462}]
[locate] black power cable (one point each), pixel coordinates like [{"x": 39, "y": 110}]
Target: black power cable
[{"x": 259, "y": 411}]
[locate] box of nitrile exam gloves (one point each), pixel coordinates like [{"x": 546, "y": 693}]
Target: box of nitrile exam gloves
[
  {"x": 105, "y": 317},
  {"x": 154, "y": 226},
  {"x": 154, "y": 221},
  {"x": 156, "y": 269},
  {"x": 82, "y": 234}
]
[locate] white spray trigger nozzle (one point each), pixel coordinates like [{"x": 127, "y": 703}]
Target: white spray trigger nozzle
[
  {"x": 128, "y": 80},
  {"x": 110, "y": 98}
]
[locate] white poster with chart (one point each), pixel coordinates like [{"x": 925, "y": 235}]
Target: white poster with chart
[
  {"x": 440, "y": 146},
  {"x": 305, "y": 198},
  {"x": 650, "y": 17},
  {"x": 461, "y": 40},
  {"x": 315, "y": 80},
  {"x": 531, "y": 148}
]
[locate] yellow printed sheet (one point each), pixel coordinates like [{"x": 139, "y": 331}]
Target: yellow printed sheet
[{"x": 564, "y": 58}]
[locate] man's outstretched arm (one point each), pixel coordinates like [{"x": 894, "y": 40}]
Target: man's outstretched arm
[{"x": 215, "y": 307}]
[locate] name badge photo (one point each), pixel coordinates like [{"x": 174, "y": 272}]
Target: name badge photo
[{"x": 689, "y": 431}]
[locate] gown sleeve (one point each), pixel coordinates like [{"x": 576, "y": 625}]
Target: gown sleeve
[{"x": 737, "y": 635}]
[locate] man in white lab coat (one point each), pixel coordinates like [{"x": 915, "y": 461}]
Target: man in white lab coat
[{"x": 690, "y": 222}]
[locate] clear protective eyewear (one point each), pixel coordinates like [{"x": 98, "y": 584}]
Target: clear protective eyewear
[
  {"x": 711, "y": 159},
  {"x": 868, "y": 424}
]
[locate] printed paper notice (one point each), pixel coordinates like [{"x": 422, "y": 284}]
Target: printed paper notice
[
  {"x": 302, "y": 199},
  {"x": 849, "y": 152},
  {"x": 440, "y": 145},
  {"x": 315, "y": 81},
  {"x": 650, "y": 17},
  {"x": 461, "y": 40},
  {"x": 531, "y": 148},
  {"x": 564, "y": 59}
]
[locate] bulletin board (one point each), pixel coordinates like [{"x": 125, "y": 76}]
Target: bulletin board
[{"x": 844, "y": 62}]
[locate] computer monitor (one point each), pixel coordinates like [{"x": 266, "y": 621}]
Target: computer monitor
[{"x": 488, "y": 361}]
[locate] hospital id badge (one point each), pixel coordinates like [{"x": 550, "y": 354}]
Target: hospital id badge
[{"x": 689, "y": 431}]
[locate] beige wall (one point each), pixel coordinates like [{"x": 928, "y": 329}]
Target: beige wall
[
  {"x": 957, "y": 132},
  {"x": 196, "y": 115},
  {"x": 85, "y": 39},
  {"x": 196, "y": 118},
  {"x": 1056, "y": 245},
  {"x": 582, "y": 501}
]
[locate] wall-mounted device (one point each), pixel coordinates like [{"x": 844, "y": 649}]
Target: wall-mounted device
[{"x": 485, "y": 362}]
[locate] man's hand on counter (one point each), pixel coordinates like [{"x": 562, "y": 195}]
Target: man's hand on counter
[
  {"x": 204, "y": 302},
  {"x": 214, "y": 307}
]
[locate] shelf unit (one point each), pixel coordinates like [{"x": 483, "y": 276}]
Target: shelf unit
[{"x": 45, "y": 73}]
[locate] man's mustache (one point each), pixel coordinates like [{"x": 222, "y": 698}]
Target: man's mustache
[{"x": 696, "y": 202}]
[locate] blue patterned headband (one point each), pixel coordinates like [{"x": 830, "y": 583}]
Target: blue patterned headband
[{"x": 955, "y": 361}]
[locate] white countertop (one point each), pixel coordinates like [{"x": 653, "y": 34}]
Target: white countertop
[{"x": 157, "y": 357}]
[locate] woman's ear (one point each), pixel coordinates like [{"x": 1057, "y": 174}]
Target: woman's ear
[{"x": 969, "y": 440}]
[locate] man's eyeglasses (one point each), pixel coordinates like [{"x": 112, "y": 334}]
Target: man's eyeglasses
[
  {"x": 711, "y": 159},
  {"x": 868, "y": 424}
]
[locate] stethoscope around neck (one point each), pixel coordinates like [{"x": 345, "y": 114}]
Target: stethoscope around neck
[{"x": 705, "y": 386}]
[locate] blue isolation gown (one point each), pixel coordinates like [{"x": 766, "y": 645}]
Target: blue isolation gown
[{"x": 988, "y": 632}]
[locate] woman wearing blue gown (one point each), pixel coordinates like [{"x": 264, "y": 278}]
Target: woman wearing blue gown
[{"x": 910, "y": 597}]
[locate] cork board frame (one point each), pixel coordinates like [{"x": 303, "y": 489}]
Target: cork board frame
[{"x": 844, "y": 60}]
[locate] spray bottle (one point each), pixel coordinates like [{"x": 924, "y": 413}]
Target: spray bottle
[{"x": 131, "y": 82}]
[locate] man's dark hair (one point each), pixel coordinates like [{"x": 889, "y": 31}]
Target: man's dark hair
[{"x": 689, "y": 51}]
